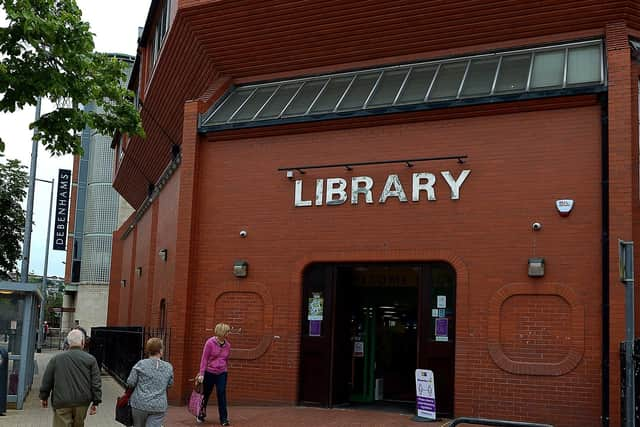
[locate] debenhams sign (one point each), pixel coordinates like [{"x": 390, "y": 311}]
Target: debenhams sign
[{"x": 336, "y": 191}]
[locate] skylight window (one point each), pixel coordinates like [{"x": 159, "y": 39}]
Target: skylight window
[{"x": 489, "y": 75}]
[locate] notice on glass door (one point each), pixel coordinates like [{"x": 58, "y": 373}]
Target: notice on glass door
[
  {"x": 315, "y": 328},
  {"x": 442, "y": 329},
  {"x": 316, "y": 306}
]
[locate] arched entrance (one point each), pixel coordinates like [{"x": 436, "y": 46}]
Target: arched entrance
[{"x": 366, "y": 327}]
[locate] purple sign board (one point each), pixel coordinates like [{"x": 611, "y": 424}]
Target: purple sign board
[
  {"x": 314, "y": 328},
  {"x": 425, "y": 395},
  {"x": 442, "y": 327}
]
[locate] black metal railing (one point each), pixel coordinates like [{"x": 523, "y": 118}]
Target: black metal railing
[
  {"x": 117, "y": 349},
  {"x": 623, "y": 382},
  {"x": 495, "y": 423},
  {"x": 54, "y": 338}
]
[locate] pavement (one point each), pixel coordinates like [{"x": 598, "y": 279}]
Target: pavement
[{"x": 33, "y": 415}]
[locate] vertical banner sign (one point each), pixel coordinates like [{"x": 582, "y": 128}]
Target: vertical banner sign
[
  {"x": 425, "y": 395},
  {"x": 62, "y": 210}
]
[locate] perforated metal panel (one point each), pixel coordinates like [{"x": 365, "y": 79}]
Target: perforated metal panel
[
  {"x": 97, "y": 206},
  {"x": 96, "y": 259},
  {"x": 100, "y": 160},
  {"x": 100, "y": 214}
]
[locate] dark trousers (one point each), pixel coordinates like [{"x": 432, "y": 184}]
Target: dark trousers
[{"x": 220, "y": 382}]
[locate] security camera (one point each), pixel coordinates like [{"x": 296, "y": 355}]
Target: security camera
[
  {"x": 536, "y": 226},
  {"x": 243, "y": 233}
]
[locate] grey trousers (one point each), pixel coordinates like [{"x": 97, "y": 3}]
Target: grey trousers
[{"x": 147, "y": 419}]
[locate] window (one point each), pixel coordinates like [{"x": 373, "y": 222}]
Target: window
[
  {"x": 163, "y": 314},
  {"x": 158, "y": 34},
  {"x": 494, "y": 74}
]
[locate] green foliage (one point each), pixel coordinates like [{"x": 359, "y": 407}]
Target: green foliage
[
  {"x": 13, "y": 181},
  {"x": 47, "y": 51},
  {"x": 52, "y": 301}
]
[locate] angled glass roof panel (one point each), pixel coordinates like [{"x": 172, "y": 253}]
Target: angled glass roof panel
[
  {"x": 479, "y": 79},
  {"x": 229, "y": 106},
  {"x": 548, "y": 69},
  {"x": 513, "y": 74},
  {"x": 497, "y": 73},
  {"x": 417, "y": 84},
  {"x": 253, "y": 104},
  {"x": 388, "y": 87},
  {"x": 448, "y": 81},
  {"x": 359, "y": 91},
  {"x": 306, "y": 95},
  {"x": 584, "y": 65},
  {"x": 331, "y": 94},
  {"x": 278, "y": 101}
]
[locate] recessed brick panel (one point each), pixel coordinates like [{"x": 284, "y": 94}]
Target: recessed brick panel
[
  {"x": 533, "y": 328},
  {"x": 245, "y": 312}
]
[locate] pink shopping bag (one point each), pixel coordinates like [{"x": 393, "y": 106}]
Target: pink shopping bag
[{"x": 195, "y": 403}]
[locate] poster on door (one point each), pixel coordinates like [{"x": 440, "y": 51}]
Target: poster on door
[
  {"x": 316, "y": 306},
  {"x": 425, "y": 395}
]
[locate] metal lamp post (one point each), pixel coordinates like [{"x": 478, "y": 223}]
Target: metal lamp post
[{"x": 46, "y": 265}]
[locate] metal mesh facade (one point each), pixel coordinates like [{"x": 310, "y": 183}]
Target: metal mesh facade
[{"x": 101, "y": 212}]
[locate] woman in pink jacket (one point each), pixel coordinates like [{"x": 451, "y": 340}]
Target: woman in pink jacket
[{"x": 213, "y": 372}]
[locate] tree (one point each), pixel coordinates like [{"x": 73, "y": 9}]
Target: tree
[
  {"x": 13, "y": 181},
  {"x": 47, "y": 51}
]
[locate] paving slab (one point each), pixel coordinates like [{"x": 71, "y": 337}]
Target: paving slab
[{"x": 33, "y": 415}]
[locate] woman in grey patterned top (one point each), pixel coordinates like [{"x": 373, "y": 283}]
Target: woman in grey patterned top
[{"x": 150, "y": 379}]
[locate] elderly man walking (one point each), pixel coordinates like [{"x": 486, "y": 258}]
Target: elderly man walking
[{"x": 72, "y": 378}]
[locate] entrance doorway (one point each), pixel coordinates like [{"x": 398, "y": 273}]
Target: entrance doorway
[{"x": 367, "y": 327}]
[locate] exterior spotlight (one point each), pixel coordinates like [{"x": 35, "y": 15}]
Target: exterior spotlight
[
  {"x": 123, "y": 283},
  {"x": 240, "y": 268},
  {"x": 536, "y": 267},
  {"x": 289, "y": 174},
  {"x": 163, "y": 254},
  {"x": 139, "y": 271}
]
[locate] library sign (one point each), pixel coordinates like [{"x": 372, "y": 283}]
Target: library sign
[{"x": 337, "y": 191}]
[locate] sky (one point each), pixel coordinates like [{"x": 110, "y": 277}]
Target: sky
[{"x": 115, "y": 25}]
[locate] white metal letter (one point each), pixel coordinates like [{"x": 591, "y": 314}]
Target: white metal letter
[
  {"x": 319, "y": 187},
  {"x": 393, "y": 181},
  {"x": 455, "y": 184},
  {"x": 357, "y": 189},
  {"x": 339, "y": 191},
  {"x": 428, "y": 186},
  {"x": 299, "y": 202}
]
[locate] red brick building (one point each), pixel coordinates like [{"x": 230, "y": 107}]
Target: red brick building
[{"x": 384, "y": 163}]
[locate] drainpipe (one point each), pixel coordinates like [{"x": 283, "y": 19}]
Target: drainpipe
[{"x": 604, "y": 119}]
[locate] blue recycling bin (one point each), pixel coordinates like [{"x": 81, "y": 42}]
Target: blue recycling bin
[{"x": 4, "y": 369}]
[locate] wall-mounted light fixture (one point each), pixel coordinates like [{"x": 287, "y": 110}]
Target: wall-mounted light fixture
[
  {"x": 240, "y": 268},
  {"x": 290, "y": 174},
  {"x": 123, "y": 283},
  {"x": 163, "y": 254},
  {"x": 139, "y": 271},
  {"x": 536, "y": 267}
]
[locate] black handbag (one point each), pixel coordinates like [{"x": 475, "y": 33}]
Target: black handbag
[{"x": 124, "y": 414}]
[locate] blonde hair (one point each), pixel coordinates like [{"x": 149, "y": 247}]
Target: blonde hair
[
  {"x": 221, "y": 330},
  {"x": 154, "y": 346}
]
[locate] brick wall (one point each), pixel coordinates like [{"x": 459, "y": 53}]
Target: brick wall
[{"x": 520, "y": 164}]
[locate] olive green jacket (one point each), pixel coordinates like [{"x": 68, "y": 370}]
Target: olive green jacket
[{"x": 72, "y": 378}]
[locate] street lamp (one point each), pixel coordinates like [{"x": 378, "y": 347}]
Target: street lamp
[{"x": 44, "y": 272}]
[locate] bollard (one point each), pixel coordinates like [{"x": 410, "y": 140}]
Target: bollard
[{"x": 4, "y": 369}]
